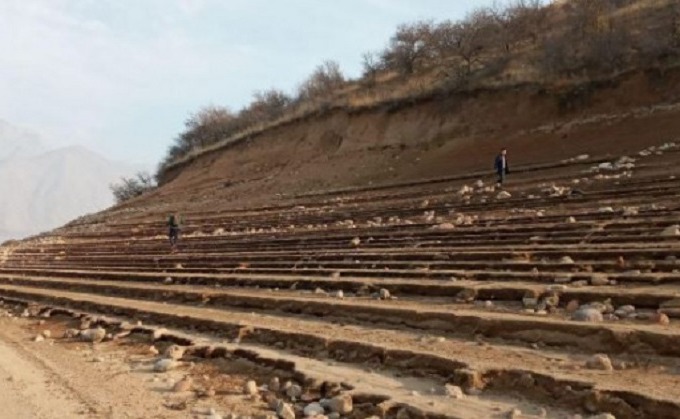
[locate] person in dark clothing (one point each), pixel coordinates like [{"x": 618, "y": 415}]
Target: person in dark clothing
[
  {"x": 173, "y": 230},
  {"x": 501, "y": 166}
]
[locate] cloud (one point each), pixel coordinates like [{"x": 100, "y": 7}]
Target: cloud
[{"x": 120, "y": 76}]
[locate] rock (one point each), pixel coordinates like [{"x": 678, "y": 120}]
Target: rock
[
  {"x": 39, "y": 338},
  {"x": 46, "y": 334},
  {"x": 503, "y": 195},
  {"x": 599, "y": 280},
  {"x": 93, "y": 335},
  {"x": 466, "y": 295},
  {"x": 71, "y": 333},
  {"x": 514, "y": 414},
  {"x": 158, "y": 334},
  {"x": 529, "y": 302},
  {"x": 341, "y": 404},
  {"x": 566, "y": 260},
  {"x": 671, "y": 231},
  {"x": 338, "y": 294},
  {"x": 587, "y": 315},
  {"x": 571, "y": 220},
  {"x": 606, "y": 210},
  {"x": 153, "y": 351},
  {"x": 250, "y": 388},
  {"x": 164, "y": 365},
  {"x": 572, "y": 306},
  {"x": 625, "y": 311},
  {"x": 313, "y": 409},
  {"x": 660, "y": 318},
  {"x": 167, "y": 281},
  {"x": 294, "y": 391},
  {"x": 274, "y": 384},
  {"x": 285, "y": 411},
  {"x": 445, "y": 226},
  {"x": 175, "y": 352},
  {"x": 599, "y": 362},
  {"x": 602, "y": 416},
  {"x": 355, "y": 241},
  {"x": 630, "y": 211},
  {"x": 183, "y": 385},
  {"x": 384, "y": 294},
  {"x": 454, "y": 392},
  {"x": 319, "y": 291}
]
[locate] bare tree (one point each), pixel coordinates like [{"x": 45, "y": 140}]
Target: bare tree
[
  {"x": 409, "y": 47},
  {"x": 266, "y": 106},
  {"x": 132, "y": 187},
  {"x": 324, "y": 81},
  {"x": 372, "y": 66}
]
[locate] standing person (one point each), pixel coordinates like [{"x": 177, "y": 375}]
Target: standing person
[
  {"x": 501, "y": 166},
  {"x": 173, "y": 231}
]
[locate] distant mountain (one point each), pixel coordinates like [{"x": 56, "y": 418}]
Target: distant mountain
[
  {"x": 18, "y": 142},
  {"x": 41, "y": 190}
]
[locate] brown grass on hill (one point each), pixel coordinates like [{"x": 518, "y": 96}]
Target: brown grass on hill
[{"x": 561, "y": 44}]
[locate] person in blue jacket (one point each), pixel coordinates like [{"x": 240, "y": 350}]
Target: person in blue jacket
[{"x": 501, "y": 166}]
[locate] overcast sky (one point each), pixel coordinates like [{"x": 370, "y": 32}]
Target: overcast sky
[{"x": 121, "y": 76}]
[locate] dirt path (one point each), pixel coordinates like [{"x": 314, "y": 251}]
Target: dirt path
[{"x": 47, "y": 380}]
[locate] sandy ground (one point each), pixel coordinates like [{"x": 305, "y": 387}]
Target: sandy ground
[{"x": 51, "y": 379}]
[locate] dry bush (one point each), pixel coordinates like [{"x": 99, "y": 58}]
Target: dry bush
[{"x": 132, "y": 187}]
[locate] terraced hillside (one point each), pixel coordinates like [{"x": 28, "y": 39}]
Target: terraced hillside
[{"x": 555, "y": 297}]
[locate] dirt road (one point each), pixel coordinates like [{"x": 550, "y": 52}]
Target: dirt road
[{"x": 49, "y": 380}]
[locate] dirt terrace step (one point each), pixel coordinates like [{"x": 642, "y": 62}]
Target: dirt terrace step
[
  {"x": 427, "y": 314},
  {"x": 460, "y": 362}
]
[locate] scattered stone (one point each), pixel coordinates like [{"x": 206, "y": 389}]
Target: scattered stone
[
  {"x": 671, "y": 231},
  {"x": 313, "y": 409},
  {"x": 606, "y": 210},
  {"x": 285, "y": 411},
  {"x": 599, "y": 362},
  {"x": 167, "y": 281},
  {"x": 341, "y": 404},
  {"x": 175, "y": 352},
  {"x": 587, "y": 315},
  {"x": 603, "y": 416},
  {"x": 274, "y": 384},
  {"x": 71, "y": 333},
  {"x": 153, "y": 351},
  {"x": 183, "y": 385},
  {"x": 660, "y": 318},
  {"x": 250, "y": 388},
  {"x": 164, "y": 365},
  {"x": 355, "y": 241},
  {"x": 338, "y": 294},
  {"x": 294, "y": 391},
  {"x": 625, "y": 311},
  {"x": 158, "y": 334},
  {"x": 572, "y": 306},
  {"x": 566, "y": 260},
  {"x": 514, "y": 414},
  {"x": 454, "y": 392},
  {"x": 503, "y": 195},
  {"x": 39, "y": 338},
  {"x": 530, "y": 302},
  {"x": 93, "y": 335},
  {"x": 571, "y": 220},
  {"x": 384, "y": 294},
  {"x": 445, "y": 226},
  {"x": 466, "y": 295},
  {"x": 599, "y": 280}
]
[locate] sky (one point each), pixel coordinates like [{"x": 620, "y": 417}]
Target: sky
[{"x": 121, "y": 76}]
